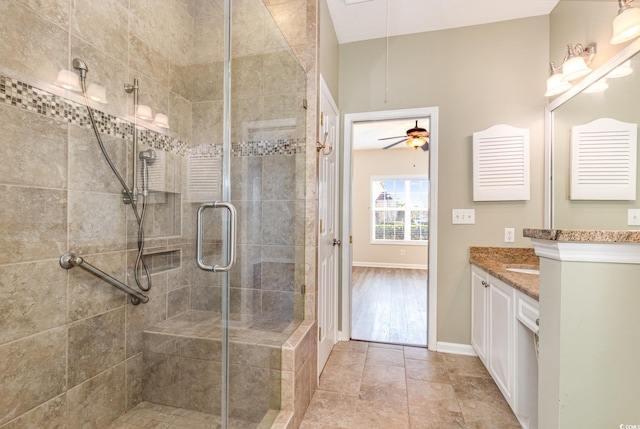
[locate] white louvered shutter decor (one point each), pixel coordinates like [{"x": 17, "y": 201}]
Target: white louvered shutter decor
[
  {"x": 604, "y": 160},
  {"x": 156, "y": 172},
  {"x": 204, "y": 177},
  {"x": 501, "y": 164}
]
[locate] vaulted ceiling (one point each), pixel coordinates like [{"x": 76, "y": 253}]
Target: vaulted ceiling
[{"x": 356, "y": 20}]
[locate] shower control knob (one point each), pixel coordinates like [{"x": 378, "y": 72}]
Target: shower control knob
[{"x": 337, "y": 242}]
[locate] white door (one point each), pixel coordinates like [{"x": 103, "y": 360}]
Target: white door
[{"x": 328, "y": 238}]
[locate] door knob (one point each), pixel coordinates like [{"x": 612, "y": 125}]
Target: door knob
[{"x": 337, "y": 242}]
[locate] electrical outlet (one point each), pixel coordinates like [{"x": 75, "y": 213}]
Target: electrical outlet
[
  {"x": 463, "y": 216},
  {"x": 633, "y": 217},
  {"x": 509, "y": 235}
]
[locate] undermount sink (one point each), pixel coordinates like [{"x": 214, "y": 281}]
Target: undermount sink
[{"x": 523, "y": 270}]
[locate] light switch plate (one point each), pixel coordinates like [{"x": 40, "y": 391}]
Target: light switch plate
[
  {"x": 463, "y": 216},
  {"x": 633, "y": 217}
]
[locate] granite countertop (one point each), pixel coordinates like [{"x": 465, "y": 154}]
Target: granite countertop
[
  {"x": 584, "y": 235},
  {"x": 495, "y": 260}
]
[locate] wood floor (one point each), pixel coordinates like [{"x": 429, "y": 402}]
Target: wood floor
[{"x": 389, "y": 305}]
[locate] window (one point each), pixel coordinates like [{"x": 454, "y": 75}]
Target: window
[{"x": 400, "y": 209}]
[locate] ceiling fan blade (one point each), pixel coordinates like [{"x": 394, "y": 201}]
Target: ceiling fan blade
[
  {"x": 396, "y": 137},
  {"x": 393, "y": 144}
]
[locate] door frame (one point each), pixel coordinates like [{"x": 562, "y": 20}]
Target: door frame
[{"x": 344, "y": 333}]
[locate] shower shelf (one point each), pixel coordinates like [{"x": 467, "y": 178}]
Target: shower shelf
[
  {"x": 70, "y": 260},
  {"x": 164, "y": 260}
]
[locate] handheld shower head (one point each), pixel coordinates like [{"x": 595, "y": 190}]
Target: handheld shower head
[
  {"x": 148, "y": 155},
  {"x": 81, "y": 66}
]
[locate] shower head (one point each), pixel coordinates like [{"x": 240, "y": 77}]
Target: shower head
[
  {"x": 148, "y": 155},
  {"x": 81, "y": 66}
]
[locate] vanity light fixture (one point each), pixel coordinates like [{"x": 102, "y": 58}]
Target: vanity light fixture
[
  {"x": 68, "y": 80},
  {"x": 161, "y": 120},
  {"x": 555, "y": 84},
  {"x": 574, "y": 65},
  {"x": 623, "y": 69},
  {"x": 626, "y": 25},
  {"x": 97, "y": 93},
  {"x": 144, "y": 112},
  {"x": 598, "y": 86}
]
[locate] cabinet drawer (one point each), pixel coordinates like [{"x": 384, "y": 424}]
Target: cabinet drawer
[{"x": 528, "y": 314}]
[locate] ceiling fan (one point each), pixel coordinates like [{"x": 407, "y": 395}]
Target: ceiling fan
[{"x": 416, "y": 138}]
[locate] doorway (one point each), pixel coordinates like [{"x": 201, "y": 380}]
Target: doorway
[{"x": 390, "y": 266}]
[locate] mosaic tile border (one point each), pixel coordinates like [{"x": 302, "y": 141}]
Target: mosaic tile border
[{"x": 24, "y": 96}]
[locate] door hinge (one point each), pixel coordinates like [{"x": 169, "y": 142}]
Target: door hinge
[
  {"x": 321, "y": 226},
  {"x": 321, "y": 118},
  {"x": 320, "y": 333},
  {"x": 351, "y": 239},
  {"x": 303, "y": 289},
  {"x": 304, "y": 103}
]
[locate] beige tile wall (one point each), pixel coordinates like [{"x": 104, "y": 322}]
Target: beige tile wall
[{"x": 298, "y": 21}]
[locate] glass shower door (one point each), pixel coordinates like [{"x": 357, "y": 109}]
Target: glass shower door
[{"x": 251, "y": 240}]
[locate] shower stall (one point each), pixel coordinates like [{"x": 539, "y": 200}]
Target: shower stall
[{"x": 165, "y": 169}]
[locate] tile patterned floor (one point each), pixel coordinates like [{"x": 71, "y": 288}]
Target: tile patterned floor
[{"x": 369, "y": 385}]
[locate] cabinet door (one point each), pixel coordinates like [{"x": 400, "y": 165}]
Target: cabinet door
[
  {"x": 501, "y": 337},
  {"x": 479, "y": 312}
]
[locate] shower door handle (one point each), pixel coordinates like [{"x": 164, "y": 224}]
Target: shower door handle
[{"x": 232, "y": 237}]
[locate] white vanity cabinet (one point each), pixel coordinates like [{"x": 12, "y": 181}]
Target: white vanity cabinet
[
  {"x": 503, "y": 322},
  {"x": 493, "y": 329},
  {"x": 479, "y": 305}
]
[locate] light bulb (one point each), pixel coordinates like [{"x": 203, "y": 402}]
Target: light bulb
[
  {"x": 555, "y": 85},
  {"x": 97, "y": 93},
  {"x": 626, "y": 25},
  {"x": 623, "y": 69},
  {"x": 68, "y": 80},
  {"x": 574, "y": 68},
  {"x": 144, "y": 112},
  {"x": 416, "y": 142},
  {"x": 161, "y": 120},
  {"x": 598, "y": 86}
]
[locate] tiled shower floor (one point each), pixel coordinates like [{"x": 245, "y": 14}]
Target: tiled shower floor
[
  {"x": 148, "y": 415},
  {"x": 243, "y": 329}
]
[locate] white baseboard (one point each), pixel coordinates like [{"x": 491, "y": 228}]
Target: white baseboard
[
  {"x": 390, "y": 265},
  {"x": 456, "y": 349}
]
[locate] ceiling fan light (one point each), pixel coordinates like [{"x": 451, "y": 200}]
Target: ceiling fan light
[{"x": 416, "y": 142}]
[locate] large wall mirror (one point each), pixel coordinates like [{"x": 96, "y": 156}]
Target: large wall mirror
[{"x": 580, "y": 105}]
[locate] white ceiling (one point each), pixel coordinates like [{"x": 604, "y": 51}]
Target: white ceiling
[{"x": 368, "y": 19}]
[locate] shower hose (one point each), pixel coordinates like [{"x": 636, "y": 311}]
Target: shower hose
[{"x": 134, "y": 205}]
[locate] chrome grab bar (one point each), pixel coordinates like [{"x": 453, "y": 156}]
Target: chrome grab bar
[
  {"x": 232, "y": 239},
  {"x": 70, "y": 260}
]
